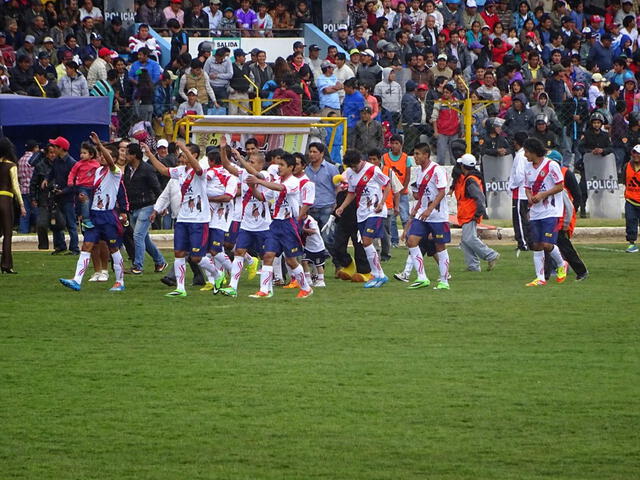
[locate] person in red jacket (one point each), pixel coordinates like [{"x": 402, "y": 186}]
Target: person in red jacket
[
  {"x": 287, "y": 91},
  {"x": 446, "y": 123}
]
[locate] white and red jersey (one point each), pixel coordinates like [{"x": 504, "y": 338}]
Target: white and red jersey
[
  {"x": 237, "y": 208},
  {"x": 368, "y": 185},
  {"x": 541, "y": 179},
  {"x": 307, "y": 191},
  {"x": 273, "y": 173},
  {"x": 194, "y": 207},
  {"x": 430, "y": 180},
  {"x": 312, "y": 242},
  {"x": 106, "y": 183},
  {"x": 220, "y": 182},
  {"x": 256, "y": 216},
  {"x": 286, "y": 203}
]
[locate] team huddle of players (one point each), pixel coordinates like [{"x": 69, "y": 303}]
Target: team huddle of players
[{"x": 249, "y": 207}]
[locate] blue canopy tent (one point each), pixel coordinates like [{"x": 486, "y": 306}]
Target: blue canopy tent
[{"x": 24, "y": 118}]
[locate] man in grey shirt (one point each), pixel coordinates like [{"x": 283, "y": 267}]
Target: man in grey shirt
[{"x": 220, "y": 71}]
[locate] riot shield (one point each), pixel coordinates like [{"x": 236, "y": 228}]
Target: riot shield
[
  {"x": 496, "y": 171},
  {"x": 602, "y": 185}
]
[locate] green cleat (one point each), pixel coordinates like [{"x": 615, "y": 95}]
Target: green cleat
[
  {"x": 229, "y": 292},
  {"x": 419, "y": 284},
  {"x": 441, "y": 286},
  {"x": 176, "y": 293}
]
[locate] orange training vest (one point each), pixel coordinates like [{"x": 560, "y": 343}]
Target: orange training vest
[
  {"x": 632, "y": 187},
  {"x": 389, "y": 200},
  {"x": 399, "y": 166},
  {"x": 466, "y": 206}
]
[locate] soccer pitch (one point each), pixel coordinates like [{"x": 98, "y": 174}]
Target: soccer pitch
[{"x": 490, "y": 380}]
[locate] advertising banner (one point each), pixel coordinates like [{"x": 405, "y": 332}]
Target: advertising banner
[
  {"x": 602, "y": 186},
  {"x": 496, "y": 171}
]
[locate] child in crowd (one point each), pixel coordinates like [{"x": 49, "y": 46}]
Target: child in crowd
[{"x": 81, "y": 178}]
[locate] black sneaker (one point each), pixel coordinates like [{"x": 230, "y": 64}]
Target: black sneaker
[
  {"x": 136, "y": 270},
  {"x": 582, "y": 276},
  {"x": 168, "y": 281},
  {"x": 59, "y": 252}
]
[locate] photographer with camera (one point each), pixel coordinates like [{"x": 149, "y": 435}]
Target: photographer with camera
[
  {"x": 42, "y": 197},
  {"x": 63, "y": 195}
]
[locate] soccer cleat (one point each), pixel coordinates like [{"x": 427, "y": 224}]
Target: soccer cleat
[
  {"x": 582, "y": 276},
  {"x": 176, "y": 293},
  {"x": 632, "y": 248},
  {"x": 371, "y": 283},
  {"x": 402, "y": 276},
  {"x": 87, "y": 224},
  {"x": 442, "y": 286},
  {"x": 160, "y": 267},
  {"x": 292, "y": 284},
  {"x": 381, "y": 281},
  {"x": 218, "y": 285},
  {"x": 419, "y": 284},
  {"x": 252, "y": 270},
  {"x": 361, "y": 277},
  {"x": 117, "y": 287},
  {"x": 561, "y": 272},
  {"x": 95, "y": 277},
  {"x": 346, "y": 273},
  {"x": 168, "y": 281},
  {"x": 305, "y": 293},
  {"x": 229, "y": 292},
  {"x": 207, "y": 287},
  {"x": 261, "y": 294},
  {"x": 536, "y": 283},
  {"x": 70, "y": 283},
  {"x": 104, "y": 276},
  {"x": 491, "y": 264},
  {"x": 319, "y": 284}
]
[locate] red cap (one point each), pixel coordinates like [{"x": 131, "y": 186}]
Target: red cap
[
  {"x": 176, "y": 1},
  {"x": 423, "y": 86},
  {"x": 596, "y": 18},
  {"x": 531, "y": 34},
  {"x": 61, "y": 142},
  {"x": 105, "y": 52}
]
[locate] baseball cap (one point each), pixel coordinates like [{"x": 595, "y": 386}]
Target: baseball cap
[
  {"x": 313, "y": 46},
  {"x": 442, "y": 56},
  {"x": 61, "y": 142},
  {"x": 472, "y": 4},
  {"x": 238, "y": 52},
  {"x": 578, "y": 85},
  {"x": 557, "y": 68},
  {"x": 368, "y": 52},
  {"x": 163, "y": 143},
  {"x": 215, "y": 2},
  {"x": 176, "y": 1},
  {"x": 298, "y": 44},
  {"x": 193, "y": 90},
  {"x": 555, "y": 155},
  {"x": 47, "y": 40},
  {"x": 468, "y": 160},
  {"x": 254, "y": 51},
  {"x": 366, "y": 109},
  {"x": 423, "y": 86},
  {"x": 327, "y": 64},
  {"x": 566, "y": 19},
  {"x": 596, "y": 18},
  {"x": 597, "y": 77},
  {"x": 342, "y": 26},
  {"x": 381, "y": 44},
  {"x": 105, "y": 52},
  {"x": 96, "y": 36},
  {"x": 636, "y": 149},
  {"x": 354, "y": 51},
  {"x": 30, "y": 39}
]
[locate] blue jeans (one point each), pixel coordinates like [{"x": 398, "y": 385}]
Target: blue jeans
[
  {"x": 141, "y": 239},
  {"x": 30, "y": 218},
  {"x": 68, "y": 209},
  {"x": 166, "y": 223},
  {"x": 321, "y": 215},
  {"x": 84, "y": 207},
  {"x": 404, "y": 218}
]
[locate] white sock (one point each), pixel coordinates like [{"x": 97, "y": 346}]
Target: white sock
[
  {"x": 321, "y": 277},
  {"x": 418, "y": 262},
  {"x": 443, "y": 265},
  {"x": 118, "y": 266},
  {"x": 81, "y": 266},
  {"x": 556, "y": 256},
  {"x": 374, "y": 261},
  {"x": 248, "y": 258},
  {"x": 298, "y": 274},
  {"x": 277, "y": 267},
  {"x": 307, "y": 277},
  {"x": 179, "y": 266},
  {"x": 223, "y": 261},
  {"x": 207, "y": 264},
  {"x": 266, "y": 278},
  {"x": 236, "y": 271},
  {"x": 408, "y": 265},
  {"x": 538, "y": 264}
]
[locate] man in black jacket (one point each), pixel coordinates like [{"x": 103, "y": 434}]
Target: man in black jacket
[
  {"x": 42, "y": 163},
  {"x": 597, "y": 142},
  {"x": 143, "y": 188},
  {"x": 21, "y": 75},
  {"x": 63, "y": 194},
  {"x": 238, "y": 83}
]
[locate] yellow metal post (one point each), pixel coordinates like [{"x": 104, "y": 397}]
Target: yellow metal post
[{"x": 468, "y": 122}]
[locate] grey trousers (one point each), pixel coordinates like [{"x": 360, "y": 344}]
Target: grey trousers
[{"x": 473, "y": 248}]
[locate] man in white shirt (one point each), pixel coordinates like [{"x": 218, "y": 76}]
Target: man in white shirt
[
  {"x": 342, "y": 72},
  {"x": 519, "y": 202},
  {"x": 215, "y": 15},
  {"x": 544, "y": 184}
]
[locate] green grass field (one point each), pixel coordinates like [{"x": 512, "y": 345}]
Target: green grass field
[{"x": 487, "y": 381}]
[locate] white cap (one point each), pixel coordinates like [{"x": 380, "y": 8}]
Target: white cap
[
  {"x": 342, "y": 26},
  {"x": 368, "y": 52},
  {"x": 636, "y": 149},
  {"x": 192, "y": 90},
  {"x": 163, "y": 143},
  {"x": 472, "y": 4},
  {"x": 467, "y": 160}
]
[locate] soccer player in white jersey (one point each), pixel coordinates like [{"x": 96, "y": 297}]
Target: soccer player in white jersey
[
  {"x": 544, "y": 183},
  {"x": 221, "y": 189},
  {"x": 430, "y": 217},
  {"x": 255, "y": 214},
  {"x": 107, "y": 225},
  {"x": 284, "y": 235},
  {"x": 307, "y": 197},
  {"x": 191, "y": 231},
  {"x": 369, "y": 187}
]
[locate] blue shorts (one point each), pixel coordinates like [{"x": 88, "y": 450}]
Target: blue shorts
[
  {"x": 216, "y": 240},
  {"x": 254, "y": 241},
  {"x": 372, "y": 227},
  {"x": 232, "y": 235},
  {"x": 107, "y": 227},
  {"x": 191, "y": 238},
  {"x": 440, "y": 231},
  {"x": 317, "y": 258},
  {"x": 545, "y": 230},
  {"x": 284, "y": 237}
]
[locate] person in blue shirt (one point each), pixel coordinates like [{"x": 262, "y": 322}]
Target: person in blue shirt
[
  {"x": 145, "y": 63},
  {"x": 351, "y": 106},
  {"x": 328, "y": 88},
  {"x": 335, "y": 150}
]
